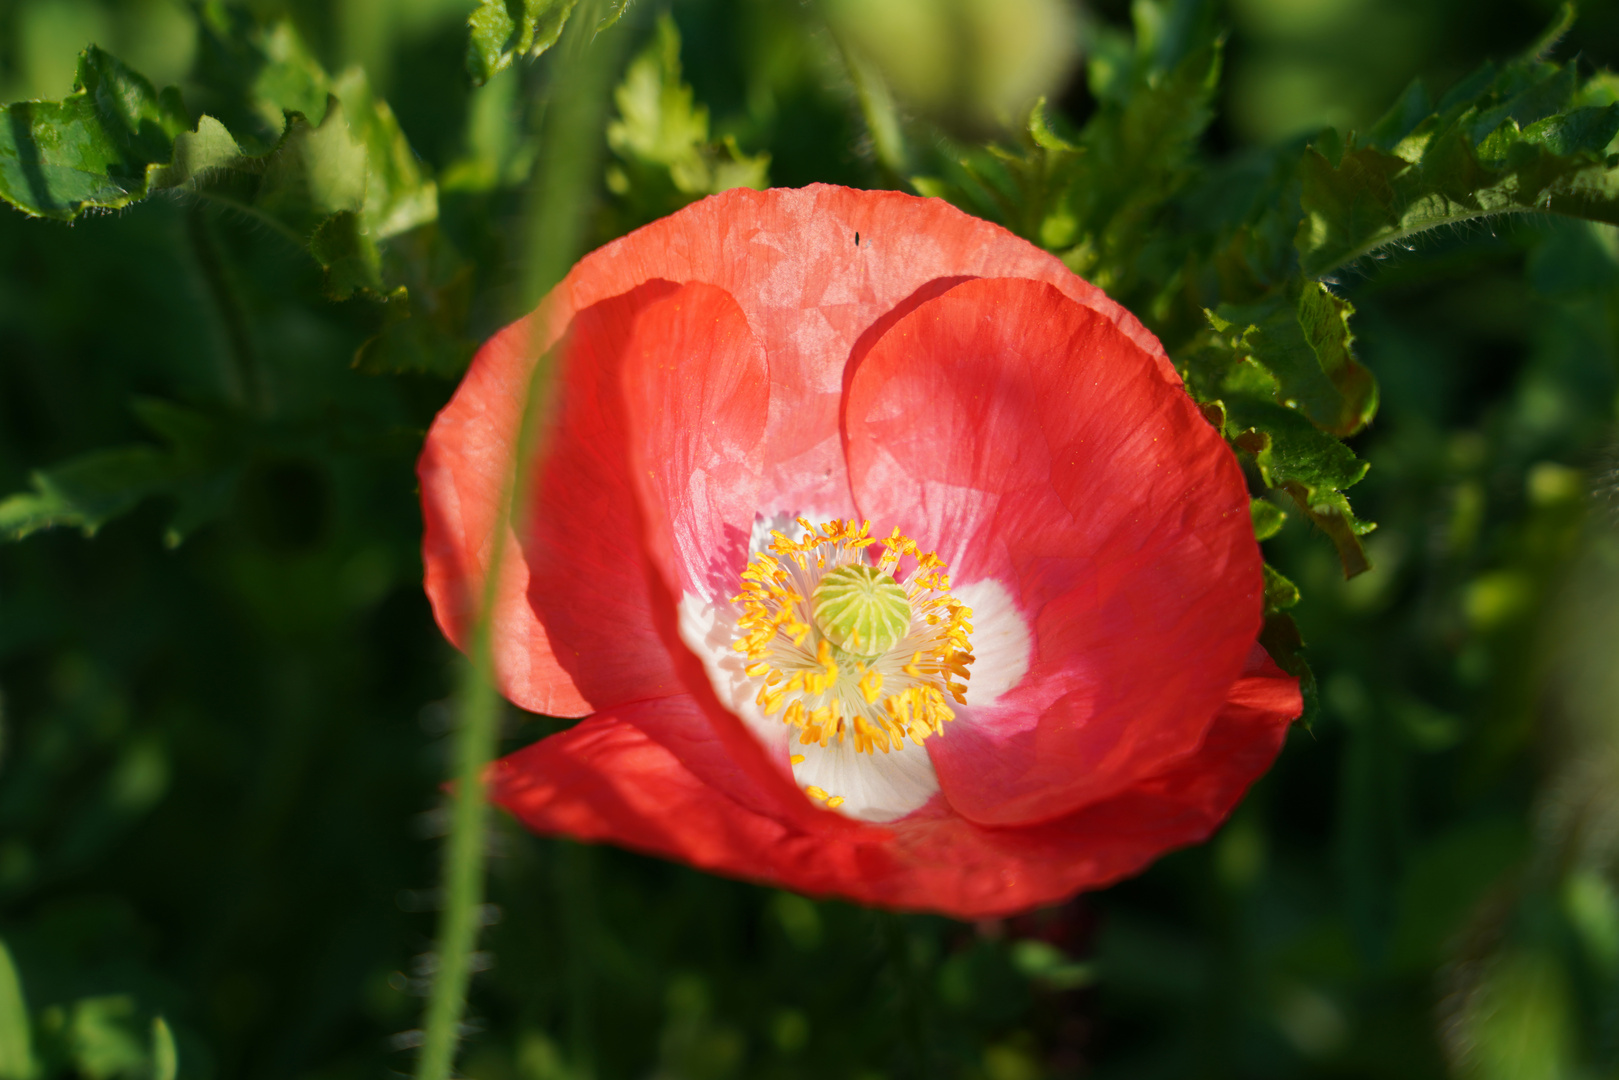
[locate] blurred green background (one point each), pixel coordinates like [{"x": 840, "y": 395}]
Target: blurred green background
[{"x": 220, "y": 768}]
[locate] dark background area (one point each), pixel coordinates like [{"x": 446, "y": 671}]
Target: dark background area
[{"x": 220, "y": 768}]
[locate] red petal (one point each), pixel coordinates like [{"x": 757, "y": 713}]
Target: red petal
[
  {"x": 608, "y": 780},
  {"x": 1028, "y": 440},
  {"x": 575, "y": 627},
  {"x": 809, "y": 294},
  {"x": 696, "y": 391},
  {"x": 462, "y": 471}
]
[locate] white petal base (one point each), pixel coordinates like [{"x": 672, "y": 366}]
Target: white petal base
[{"x": 875, "y": 787}]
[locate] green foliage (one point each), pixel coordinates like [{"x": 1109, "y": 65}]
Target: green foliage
[
  {"x": 205, "y": 772},
  {"x": 497, "y": 38},
  {"x": 197, "y": 468},
  {"x": 93, "y": 149},
  {"x": 1523, "y": 137},
  {"x": 105, "y": 1038},
  {"x": 1098, "y": 197},
  {"x": 661, "y": 138}
]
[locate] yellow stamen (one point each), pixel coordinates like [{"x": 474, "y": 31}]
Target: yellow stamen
[{"x": 840, "y": 646}]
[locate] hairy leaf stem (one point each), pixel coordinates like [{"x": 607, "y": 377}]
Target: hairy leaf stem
[
  {"x": 555, "y": 230},
  {"x": 241, "y": 375}
]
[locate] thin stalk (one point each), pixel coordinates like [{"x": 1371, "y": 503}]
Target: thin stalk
[
  {"x": 573, "y": 142},
  {"x": 475, "y": 741},
  {"x": 241, "y": 374},
  {"x": 477, "y": 735},
  {"x": 570, "y": 166}
]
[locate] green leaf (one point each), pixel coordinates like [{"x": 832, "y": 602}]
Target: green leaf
[
  {"x": 16, "y": 1054},
  {"x": 1281, "y": 639},
  {"x": 198, "y": 467},
  {"x": 1295, "y": 456},
  {"x": 251, "y": 75},
  {"x": 86, "y": 492},
  {"x": 1099, "y": 197},
  {"x": 320, "y": 160},
  {"x": 1301, "y": 337},
  {"x": 165, "y": 1057},
  {"x": 661, "y": 137},
  {"x": 341, "y": 245},
  {"x": 496, "y": 38},
  {"x": 1519, "y": 138},
  {"x": 1268, "y": 518},
  {"x": 1280, "y": 593},
  {"x": 92, "y": 148}
]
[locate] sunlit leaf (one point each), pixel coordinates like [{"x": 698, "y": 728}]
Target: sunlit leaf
[
  {"x": 1295, "y": 456},
  {"x": 661, "y": 137},
  {"x": 1523, "y": 137},
  {"x": 1301, "y": 337},
  {"x": 496, "y": 38},
  {"x": 92, "y": 148}
]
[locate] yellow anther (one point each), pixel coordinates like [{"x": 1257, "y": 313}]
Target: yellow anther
[
  {"x": 816, "y": 793},
  {"x": 834, "y": 802},
  {"x": 871, "y": 685},
  {"x": 797, "y": 759},
  {"x": 792, "y": 628}
]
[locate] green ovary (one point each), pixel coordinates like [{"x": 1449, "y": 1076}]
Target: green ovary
[{"x": 861, "y": 610}]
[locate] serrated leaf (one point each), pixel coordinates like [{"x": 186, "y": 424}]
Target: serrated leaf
[
  {"x": 340, "y": 244},
  {"x": 661, "y": 137},
  {"x": 1280, "y": 593},
  {"x": 251, "y": 75},
  {"x": 1098, "y": 197},
  {"x": 424, "y": 319},
  {"x": 1268, "y": 518},
  {"x": 86, "y": 492},
  {"x": 399, "y": 195},
  {"x": 495, "y": 38},
  {"x": 1281, "y": 639},
  {"x": 92, "y": 148},
  {"x": 316, "y": 171},
  {"x": 1301, "y": 337},
  {"x": 197, "y": 467},
  {"x": 1517, "y": 138},
  {"x": 319, "y": 159},
  {"x": 1295, "y": 456}
]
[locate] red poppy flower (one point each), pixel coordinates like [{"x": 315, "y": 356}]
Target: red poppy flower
[{"x": 887, "y": 559}]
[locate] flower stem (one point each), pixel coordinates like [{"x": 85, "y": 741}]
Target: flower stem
[
  {"x": 475, "y": 741},
  {"x": 573, "y": 162},
  {"x": 241, "y": 374}
]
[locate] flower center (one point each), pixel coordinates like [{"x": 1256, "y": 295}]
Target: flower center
[
  {"x": 860, "y": 609},
  {"x": 846, "y": 649}
]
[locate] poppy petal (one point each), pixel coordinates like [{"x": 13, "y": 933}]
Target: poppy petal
[
  {"x": 811, "y": 295},
  {"x": 589, "y": 577},
  {"x": 463, "y": 471},
  {"x": 697, "y": 393},
  {"x": 606, "y": 779},
  {"x": 1030, "y": 442}
]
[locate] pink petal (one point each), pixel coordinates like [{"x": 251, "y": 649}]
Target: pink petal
[
  {"x": 607, "y": 779},
  {"x": 1029, "y": 440}
]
